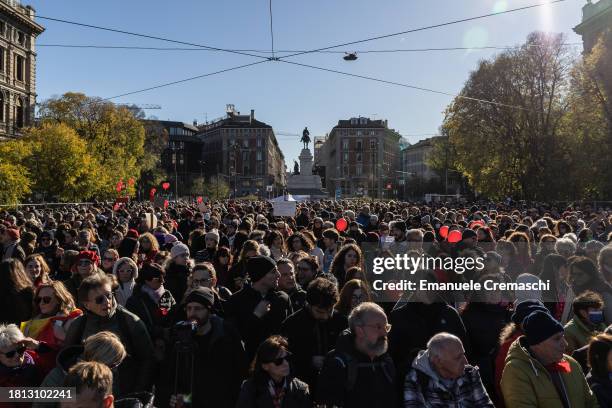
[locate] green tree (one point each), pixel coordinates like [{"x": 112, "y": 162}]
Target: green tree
[
  {"x": 514, "y": 146},
  {"x": 214, "y": 189},
  {"x": 60, "y": 163},
  {"x": 114, "y": 136},
  {"x": 14, "y": 176}
]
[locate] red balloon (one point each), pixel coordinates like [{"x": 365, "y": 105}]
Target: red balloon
[
  {"x": 152, "y": 192},
  {"x": 444, "y": 231},
  {"x": 166, "y": 185},
  {"x": 454, "y": 236},
  {"x": 116, "y": 207},
  {"x": 199, "y": 200},
  {"x": 341, "y": 224},
  {"x": 119, "y": 186},
  {"x": 166, "y": 204}
]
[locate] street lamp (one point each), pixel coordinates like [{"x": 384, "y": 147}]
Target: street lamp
[
  {"x": 175, "y": 147},
  {"x": 403, "y": 178}
]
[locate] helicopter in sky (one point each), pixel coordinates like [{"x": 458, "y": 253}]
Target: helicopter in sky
[{"x": 350, "y": 56}]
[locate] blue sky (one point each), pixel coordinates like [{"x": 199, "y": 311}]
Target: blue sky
[{"x": 287, "y": 97}]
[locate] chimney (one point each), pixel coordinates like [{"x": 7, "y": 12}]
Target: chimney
[{"x": 252, "y": 115}]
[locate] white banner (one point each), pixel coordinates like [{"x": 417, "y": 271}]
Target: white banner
[{"x": 284, "y": 208}]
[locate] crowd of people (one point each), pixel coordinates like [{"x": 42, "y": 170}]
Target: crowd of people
[{"x": 223, "y": 304}]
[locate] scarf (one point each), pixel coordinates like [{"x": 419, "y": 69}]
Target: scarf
[
  {"x": 155, "y": 295},
  {"x": 277, "y": 392}
]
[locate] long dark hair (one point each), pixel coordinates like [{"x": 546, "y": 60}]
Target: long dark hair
[
  {"x": 596, "y": 283},
  {"x": 599, "y": 348}
]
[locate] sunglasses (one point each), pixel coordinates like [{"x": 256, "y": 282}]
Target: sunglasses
[
  {"x": 100, "y": 299},
  {"x": 12, "y": 353},
  {"x": 44, "y": 299},
  {"x": 279, "y": 361}
]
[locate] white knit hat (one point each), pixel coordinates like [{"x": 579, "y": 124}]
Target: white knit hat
[{"x": 179, "y": 249}]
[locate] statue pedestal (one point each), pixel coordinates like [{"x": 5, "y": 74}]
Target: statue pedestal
[{"x": 305, "y": 183}]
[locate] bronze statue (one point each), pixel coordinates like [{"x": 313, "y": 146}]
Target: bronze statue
[
  {"x": 296, "y": 168},
  {"x": 305, "y": 138}
]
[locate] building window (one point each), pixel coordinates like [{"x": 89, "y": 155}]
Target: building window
[
  {"x": 1, "y": 107},
  {"x": 358, "y": 157},
  {"x": 20, "y": 38},
  {"x": 260, "y": 168},
  {"x": 259, "y": 155},
  {"x": 359, "y": 133},
  {"x": 245, "y": 143},
  {"x": 19, "y": 67},
  {"x": 359, "y": 145},
  {"x": 19, "y": 113},
  {"x": 345, "y": 144},
  {"x": 259, "y": 141},
  {"x": 345, "y": 171},
  {"x": 358, "y": 170},
  {"x": 372, "y": 143},
  {"x": 2, "y": 28},
  {"x": 345, "y": 157}
]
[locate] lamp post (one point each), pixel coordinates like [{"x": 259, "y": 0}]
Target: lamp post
[
  {"x": 403, "y": 178},
  {"x": 175, "y": 147}
]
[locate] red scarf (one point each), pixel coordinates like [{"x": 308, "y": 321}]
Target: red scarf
[{"x": 559, "y": 367}]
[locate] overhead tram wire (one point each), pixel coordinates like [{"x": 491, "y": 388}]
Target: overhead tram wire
[
  {"x": 185, "y": 80},
  {"x": 153, "y": 37},
  {"x": 384, "y": 81},
  {"x": 399, "y": 50},
  {"x": 414, "y": 30}
]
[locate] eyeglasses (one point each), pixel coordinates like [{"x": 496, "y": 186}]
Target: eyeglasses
[
  {"x": 100, "y": 299},
  {"x": 45, "y": 300},
  {"x": 279, "y": 361},
  {"x": 379, "y": 327},
  {"x": 12, "y": 353}
]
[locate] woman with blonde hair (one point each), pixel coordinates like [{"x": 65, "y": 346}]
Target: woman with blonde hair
[
  {"x": 53, "y": 311},
  {"x": 126, "y": 271},
  {"x": 148, "y": 248},
  {"x": 37, "y": 269}
]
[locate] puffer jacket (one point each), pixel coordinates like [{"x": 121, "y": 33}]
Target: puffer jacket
[
  {"x": 526, "y": 382},
  {"x": 423, "y": 387}
]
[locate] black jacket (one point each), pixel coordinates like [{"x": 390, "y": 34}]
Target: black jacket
[
  {"x": 373, "y": 382},
  {"x": 413, "y": 324},
  {"x": 308, "y": 338},
  {"x": 483, "y": 324},
  {"x": 254, "y": 394},
  {"x": 602, "y": 388},
  {"x": 218, "y": 369},
  {"x": 176, "y": 280},
  {"x": 240, "y": 306},
  {"x": 15, "y": 307},
  {"x": 136, "y": 371},
  {"x": 141, "y": 304}
]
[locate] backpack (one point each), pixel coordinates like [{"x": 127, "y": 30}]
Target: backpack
[{"x": 352, "y": 368}]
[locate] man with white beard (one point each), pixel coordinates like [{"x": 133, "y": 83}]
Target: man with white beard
[{"x": 359, "y": 372}]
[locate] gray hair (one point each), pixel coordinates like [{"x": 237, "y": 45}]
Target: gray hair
[
  {"x": 438, "y": 343},
  {"x": 358, "y": 314},
  {"x": 415, "y": 231},
  {"x": 565, "y": 244},
  {"x": 9, "y": 335}
]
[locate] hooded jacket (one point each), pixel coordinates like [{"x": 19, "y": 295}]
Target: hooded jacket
[
  {"x": 578, "y": 334},
  {"x": 602, "y": 388},
  {"x": 374, "y": 381},
  {"x": 423, "y": 387},
  {"x": 526, "y": 382}
]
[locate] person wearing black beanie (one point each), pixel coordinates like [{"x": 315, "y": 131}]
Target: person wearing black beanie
[
  {"x": 258, "y": 309},
  {"x": 537, "y": 373}
]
